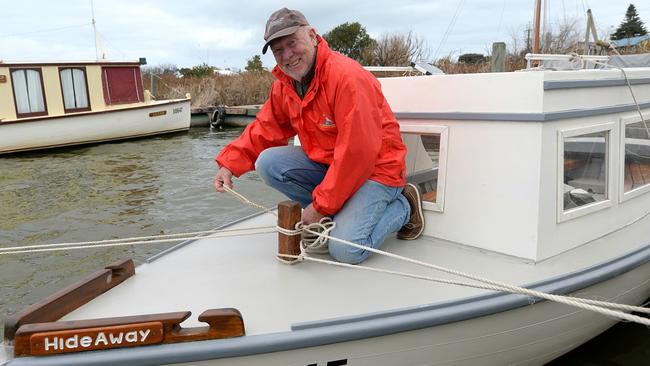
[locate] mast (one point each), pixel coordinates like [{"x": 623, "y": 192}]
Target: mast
[
  {"x": 92, "y": 10},
  {"x": 538, "y": 10}
]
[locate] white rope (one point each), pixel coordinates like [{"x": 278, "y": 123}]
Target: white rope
[
  {"x": 501, "y": 286},
  {"x": 241, "y": 197},
  {"x": 321, "y": 230},
  {"x": 599, "y": 303},
  {"x": 315, "y": 243},
  {"x": 135, "y": 241}
]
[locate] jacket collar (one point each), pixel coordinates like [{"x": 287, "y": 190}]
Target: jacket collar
[{"x": 323, "y": 51}]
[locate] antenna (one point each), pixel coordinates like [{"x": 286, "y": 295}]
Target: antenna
[{"x": 97, "y": 41}]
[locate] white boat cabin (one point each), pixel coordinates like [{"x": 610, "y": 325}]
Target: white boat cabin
[
  {"x": 53, "y": 104},
  {"x": 537, "y": 163},
  {"x": 47, "y": 89}
]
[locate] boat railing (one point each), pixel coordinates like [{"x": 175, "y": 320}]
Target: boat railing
[
  {"x": 420, "y": 66},
  {"x": 571, "y": 61}
]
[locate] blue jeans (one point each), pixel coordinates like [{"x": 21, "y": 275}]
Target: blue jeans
[{"x": 367, "y": 218}]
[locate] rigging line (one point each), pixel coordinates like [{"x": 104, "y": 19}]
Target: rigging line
[
  {"x": 503, "y": 9},
  {"x": 449, "y": 27},
  {"x": 598, "y": 303},
  {"x": 44, "y": 30}
]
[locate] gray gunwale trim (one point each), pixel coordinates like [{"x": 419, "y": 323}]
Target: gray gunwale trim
[
  {"x": 574, "y": 84},
  {"x": 190, "y": 241},
  {"x": 346, "y": 329},
  {"x": 520, "y": 117}
]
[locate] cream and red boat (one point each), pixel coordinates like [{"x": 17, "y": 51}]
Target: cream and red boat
[
  {"x": 534, "y": 178},
  {"x": 51, "y": 104}
]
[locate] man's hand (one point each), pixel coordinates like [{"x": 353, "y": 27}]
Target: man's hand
[
  {"x": 310, "y": 215},
  {"x": 224, "y": 177}
]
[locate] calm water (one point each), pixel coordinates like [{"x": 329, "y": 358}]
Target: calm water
[{"x": 145, "y": 187}]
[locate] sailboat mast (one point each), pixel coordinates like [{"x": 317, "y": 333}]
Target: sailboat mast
[
  {"x": 538, "y": 10},
  {"x": 92, "y": 10}
]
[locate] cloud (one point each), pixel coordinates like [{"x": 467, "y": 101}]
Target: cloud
[{"x": 227, "y": 33}]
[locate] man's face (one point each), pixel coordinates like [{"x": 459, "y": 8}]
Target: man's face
[{"x": 295, "y": 53}]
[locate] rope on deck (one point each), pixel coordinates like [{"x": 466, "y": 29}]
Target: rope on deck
[
  {"x": 322, "y": 230},
  {"x": 315, "y": 236}
]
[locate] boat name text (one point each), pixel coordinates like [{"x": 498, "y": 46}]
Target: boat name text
[
  {"x": 156, "y": 114},
  {"x": 96, "y": 338}
]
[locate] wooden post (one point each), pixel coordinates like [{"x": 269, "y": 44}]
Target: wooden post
[
  {"x": 289, "y": 213},
  {"x": 498, "y": 60}
]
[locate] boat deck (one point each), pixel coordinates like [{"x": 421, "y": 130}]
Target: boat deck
[{"x": 242, "y": 272}]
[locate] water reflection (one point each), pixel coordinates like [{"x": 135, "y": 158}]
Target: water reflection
[{"x": 141, "y": 187}]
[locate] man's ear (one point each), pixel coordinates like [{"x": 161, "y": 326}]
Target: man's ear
[{"x": 312, "y": 35}]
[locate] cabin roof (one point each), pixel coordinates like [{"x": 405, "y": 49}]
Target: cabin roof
[{"x": 23, "y": 63}]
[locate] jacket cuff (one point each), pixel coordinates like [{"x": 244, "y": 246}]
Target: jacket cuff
[
  {"x": 222, "y": 162},
  {"x": 322, "y": 210}
]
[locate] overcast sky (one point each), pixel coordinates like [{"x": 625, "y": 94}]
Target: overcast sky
[{"x": 227, "y": 33}]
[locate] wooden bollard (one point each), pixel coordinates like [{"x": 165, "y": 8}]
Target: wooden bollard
[{"x": 289, "y": 213}]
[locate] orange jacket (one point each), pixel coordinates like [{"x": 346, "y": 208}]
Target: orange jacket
[{"x": 343, "y": 121}]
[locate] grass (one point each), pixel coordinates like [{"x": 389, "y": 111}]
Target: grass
[
  {"x": 253, "y": 87},
  {"x": 239, "y": 89}
]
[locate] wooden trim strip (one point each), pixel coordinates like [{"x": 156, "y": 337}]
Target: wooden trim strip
[
  {"x": 55, "y": 306},
  {"x": 98, "y": 112},
  {"x": 129, "y": 331}
]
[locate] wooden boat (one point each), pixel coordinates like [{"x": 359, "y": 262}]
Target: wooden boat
[
  {"x": 536, "y": 178},
  {"x": 51, "y": 104}
]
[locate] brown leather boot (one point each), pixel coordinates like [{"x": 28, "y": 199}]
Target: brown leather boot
[{"x": 414, "y": 228}]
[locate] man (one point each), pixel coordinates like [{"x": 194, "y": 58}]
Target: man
[{"x": 350, "y": 164}]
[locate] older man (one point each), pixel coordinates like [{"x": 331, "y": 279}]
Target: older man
[{"x": 350, "y": 164}]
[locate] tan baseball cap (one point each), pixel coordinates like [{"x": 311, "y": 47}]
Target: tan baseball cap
[{"x": 282, "y": 23}]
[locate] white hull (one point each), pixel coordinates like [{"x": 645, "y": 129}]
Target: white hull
[
  {"x": 529, "y": 335},
  {"x": 91, "y": 127}
]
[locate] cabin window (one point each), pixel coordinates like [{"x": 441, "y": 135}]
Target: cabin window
[
  {"x": 585, "y": 170},
  {"x": 122, "y": 84},
  {"x": 636, "y": 159},
  {"x": 426, "y": 162},
  {"x": 28, "y": 92},
  {"x": 75, "y": 89}
]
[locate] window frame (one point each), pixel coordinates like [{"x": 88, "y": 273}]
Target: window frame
[
  {"x": 443, "y": 131},
  {"x": 13, "y": 92},
  {"x": 624, "y": 196},
  {"x": 610, "y": 166},
  {"x": 75, "y": 110}
]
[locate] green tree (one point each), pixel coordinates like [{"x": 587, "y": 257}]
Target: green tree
[
  {"x": 197, "y": 71},
  {"x": 350, "y": 39},
  {"x": 631, "y": 25},
  {"x": 255, "y": 64}
]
